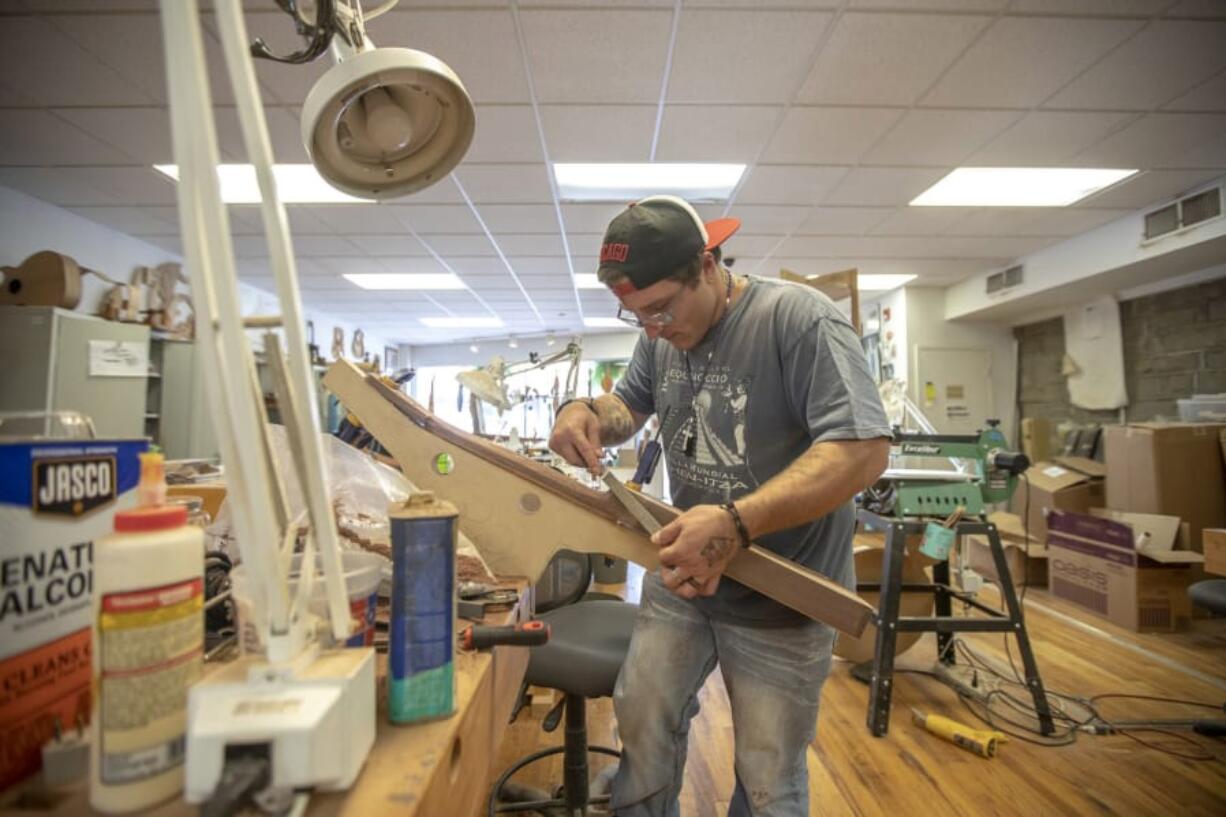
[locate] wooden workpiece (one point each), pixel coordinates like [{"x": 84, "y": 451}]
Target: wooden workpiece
[{"x": 520, "y": 512}]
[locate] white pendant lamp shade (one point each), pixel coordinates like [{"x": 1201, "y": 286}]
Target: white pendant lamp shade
[{"x": 387, "y": 122}]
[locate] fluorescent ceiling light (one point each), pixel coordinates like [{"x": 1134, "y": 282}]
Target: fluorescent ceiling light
[
  {"x": 881, "y": 283},
  {"x": 296, "y": 184},
  {"x": 452, "y": 322},
  {"x": 588, "y": 280},
  {"x": 398, "y": 280},
  {"x": 1018, "y": 186},
  {"x": 621, "y": 182},
  {"x": 604, "y": 323}
]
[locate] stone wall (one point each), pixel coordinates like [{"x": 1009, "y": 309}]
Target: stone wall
[{"x": 1174, "y": 346}]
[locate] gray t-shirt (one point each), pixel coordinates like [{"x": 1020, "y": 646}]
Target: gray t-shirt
[{"x": 787, "y": 370}]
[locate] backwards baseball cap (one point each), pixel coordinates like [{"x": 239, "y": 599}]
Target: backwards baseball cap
[{"x": 656, "y": 236}]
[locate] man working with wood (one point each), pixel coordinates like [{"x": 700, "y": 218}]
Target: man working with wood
[{"x": 772, "y": 424}]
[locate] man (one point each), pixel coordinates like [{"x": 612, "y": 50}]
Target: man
[{"x": 814, "y": 435}]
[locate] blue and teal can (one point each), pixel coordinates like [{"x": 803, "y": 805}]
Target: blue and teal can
[{"x": 421, "y": 649}]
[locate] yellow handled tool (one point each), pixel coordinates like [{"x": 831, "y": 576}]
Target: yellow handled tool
[{"x": 982, "y": 742}]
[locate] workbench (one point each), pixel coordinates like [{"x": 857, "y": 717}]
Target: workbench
[{"x": 442, "y": 767}]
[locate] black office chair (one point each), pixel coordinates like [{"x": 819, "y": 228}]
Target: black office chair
[
  {"x": 589, "y": 640},
  {"x": 1210, "y": 594}
]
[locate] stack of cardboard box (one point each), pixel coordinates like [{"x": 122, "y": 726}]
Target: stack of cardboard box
[{"x": 1165, "y": 485}]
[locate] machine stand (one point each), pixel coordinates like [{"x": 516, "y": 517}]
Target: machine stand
[{"x": 944, "y": 624}]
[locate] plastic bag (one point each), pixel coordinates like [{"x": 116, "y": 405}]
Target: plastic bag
[{"x": 362, "y": 489}]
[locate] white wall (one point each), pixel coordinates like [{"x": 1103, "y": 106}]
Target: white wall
[
  {"x": 1104, "y": 260},
  {"x": 927, "y": 327},
  {"x": 28, "y": 225}
]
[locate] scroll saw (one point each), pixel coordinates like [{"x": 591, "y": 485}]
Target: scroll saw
[{"x": 989, "y": 475}]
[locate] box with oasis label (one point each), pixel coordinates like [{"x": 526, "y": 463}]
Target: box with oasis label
[{"x": 56, "y": 498}]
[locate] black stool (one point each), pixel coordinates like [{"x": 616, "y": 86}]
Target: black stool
[
  {"x": 585, "y": 652},
  {"x": 1210, "y": 594}
]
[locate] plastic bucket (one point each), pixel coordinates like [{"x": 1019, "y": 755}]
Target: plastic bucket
[{"x": 362, "y": 575}]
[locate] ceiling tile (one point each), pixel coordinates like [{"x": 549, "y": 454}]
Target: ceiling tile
[
  {"x": 479, "y": 266},
  {"x": 590, "y": 218},
  {"x": 344, "y": 264},
  {"x": 538, "y": 265},
  {"x": 770, "y": 219},
  {"x": 357, "y": 219},
  {"x": 58, "y": 185},
  {"x": 1156, "y": 140},
  {"x": 129, "y": 185},
  {"x": 31, "y": 136},
  {"x": 511, "y": 184},
  {"x": 1208, "y": 96},
  {"x": 1047, "y": 138},
  {"x": 788, "y": 184},
  {"x": 883, "y": 185},
  {"x": 530, "y": 243},
  {"x": 598, "y": 133},
  {"x": 938, "y": 5},
  {"x": 1121, "y": 8},
  {"x": 714, "y": 133},
  {"x": 938, "y": 137},
  {"x": 601, "y": 55},
  {"x": 459, "y": 244},
  {"x": 136, "y": 221},
  {"x": 284, "y": 134},
  {"x": 779, "y": 45},
  {"x": 505, "y": 133},
  {"x": 828, "y": 135},
  {"x": 436, "y": 218},
  {"x": 921, "y": 221},
  {"x": 1197, "y": 8},
  {"x": 419, "y": 264},
  {"x": 392, "y": 245},
  {"x": 1020, "y": 61},
  {"x": 1161, "y": 63},
  {"x": 524, "y": 218},
  {"x": 142, "y": 134},
  {"x": 1150, "y": 188},
  {"x": 46, "y": 64},
  {"x": 842, "y": 220},
  {"x": 887, "y": 59}
]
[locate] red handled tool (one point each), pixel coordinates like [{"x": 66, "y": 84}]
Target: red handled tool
[{"x": 529, "y": 634}]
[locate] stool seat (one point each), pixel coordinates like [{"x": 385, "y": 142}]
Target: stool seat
[
  {"x": 586, "y": 647},
  {"x": 1210, "y": 594}
]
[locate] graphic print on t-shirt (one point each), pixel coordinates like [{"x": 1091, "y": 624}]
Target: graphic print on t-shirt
[{"x": 707, "y": 439}]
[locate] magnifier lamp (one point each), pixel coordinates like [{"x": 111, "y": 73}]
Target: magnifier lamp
[
  {"x": 489, "y": 383},
  {"x": 383, "y": 122}
]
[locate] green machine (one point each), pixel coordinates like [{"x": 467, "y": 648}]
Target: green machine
[{"x": 990, "y": 476}]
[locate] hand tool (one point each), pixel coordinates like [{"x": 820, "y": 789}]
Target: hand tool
[
  {"x": 528, "y": 634},
  {"x": 982, "y": 742},
  {"x": 651, "y": 457},
  {"x": 641, "y": 515}
]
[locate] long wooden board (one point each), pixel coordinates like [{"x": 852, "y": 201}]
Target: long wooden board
[{"x": 519, "y": 513}]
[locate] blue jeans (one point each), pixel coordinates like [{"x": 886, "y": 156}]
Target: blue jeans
[{"x": 774, "y": 680}]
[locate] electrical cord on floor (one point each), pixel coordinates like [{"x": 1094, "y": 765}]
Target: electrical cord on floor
[{"x": 1092, "y": 722}]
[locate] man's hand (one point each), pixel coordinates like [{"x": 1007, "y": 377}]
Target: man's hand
[
  {"x": 576, "y": 437},
  {"x": 696, "y": 545}
]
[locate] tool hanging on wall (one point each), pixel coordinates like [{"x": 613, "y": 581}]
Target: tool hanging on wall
[
  {"x": 358, "y": 346},
  {"x": 338, "y": 343}
]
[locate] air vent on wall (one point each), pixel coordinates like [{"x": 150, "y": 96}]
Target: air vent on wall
[
  {"x": 1187, "y": 212},
  {"x": 999, "y": 281}
]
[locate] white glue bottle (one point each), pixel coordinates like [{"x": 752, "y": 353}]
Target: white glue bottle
[{"x": 148, "y": 645}]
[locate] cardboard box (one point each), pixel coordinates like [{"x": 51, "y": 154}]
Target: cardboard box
[
  {"x": 1213, "y": 543},
  {"x": 1027, "y": 565},
  {"x": 1124, "y": 567},
  {"x": 1064, "y": 483},
  {"x": 1173, "y": 469},
  {"x": 1011, "y": 529},
  {"x": 1036, "y": 438},
  {"x": 56, "y": 497}
]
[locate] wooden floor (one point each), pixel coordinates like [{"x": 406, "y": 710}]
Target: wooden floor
[{"x": 910, "y": 771}]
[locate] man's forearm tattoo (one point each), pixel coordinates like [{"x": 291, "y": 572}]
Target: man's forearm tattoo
[
  {"x": 616, "y": 424},
  {"x": 716, "y": 549}
]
